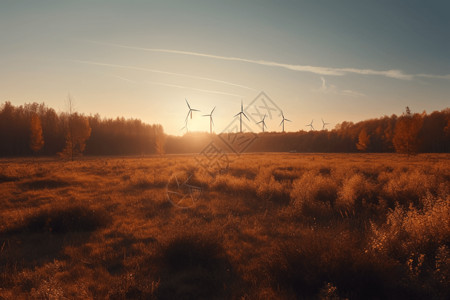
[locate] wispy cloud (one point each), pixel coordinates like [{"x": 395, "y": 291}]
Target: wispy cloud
[
  {"x": 164, "y": 72},
  {"x": 174, "y": 86},
  {"x": 332, "y": 89},
  {"x": 397, "y": 74},
  {"x": 434, "y": 76},
  {"x": 194, "y": 89},
  {"x": 119, "y": 77},
  {"x": 352, "y": 93}
]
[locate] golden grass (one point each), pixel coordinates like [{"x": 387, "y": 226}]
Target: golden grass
[{"x": 273, "y": 226}]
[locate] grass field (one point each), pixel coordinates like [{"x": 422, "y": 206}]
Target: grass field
[{"x": 272, "y": 226}]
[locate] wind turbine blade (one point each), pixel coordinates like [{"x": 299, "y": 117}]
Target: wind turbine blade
[
  {"x": 288, "y": 120},
  {"x": 206, "y": 115},
  {"x": 194, "y": 109},
  {"x": 242, "y": 106},
  {"x": 213, "y": 110},
  {"x": 245, "y": 116},
  {"x": 264, "y": 125},
  {"x": 281, "y": 122},
  {"x": 187, "y": 103},
  {"x": 259, "y": 122},
  {"x": 237, "y": 114}
]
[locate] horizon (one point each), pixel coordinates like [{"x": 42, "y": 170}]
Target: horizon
[{"x": 341, "y": 62}]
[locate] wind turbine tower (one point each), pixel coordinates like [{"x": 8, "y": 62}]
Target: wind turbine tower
[
  {"x": 211, "y": 122},
  {"x": 284, "y": 119},
  {"x": 324, "y": 124},
  {"x": 240, "y": 114},
  {"x": 263, "y": 123}
]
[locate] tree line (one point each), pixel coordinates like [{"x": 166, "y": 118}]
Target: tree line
[
  {"x": 409, "y": 133},
  {"x": 35, "y": 129}
]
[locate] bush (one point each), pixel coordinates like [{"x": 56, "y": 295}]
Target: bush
[
  {"x": 327, "y": 262},
  {"x": 409, "y": 187},
  {"x": 418, "y": 239},
  {"x": 355, "y": 191},
  {"x": 314, "y": 191}
]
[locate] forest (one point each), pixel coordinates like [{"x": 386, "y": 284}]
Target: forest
[
  {"x": 35, "y": 129},
  {"x": 409, "y": 133}
]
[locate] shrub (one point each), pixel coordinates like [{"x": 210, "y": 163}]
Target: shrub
[
  {"x": 409, "y": 187},
  {"x": 355, "y": 191},
  {"x": 268, "y": 188},
  {"x": 314, "y": 190},
  {"x": 418, "y": 238},
  {"x": 329, "y": 262}
]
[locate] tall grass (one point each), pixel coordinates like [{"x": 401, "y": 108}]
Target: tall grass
[{"x": 272, "y": 226}]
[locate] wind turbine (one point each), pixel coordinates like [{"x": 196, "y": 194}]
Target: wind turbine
[
  {"x": 185, "y": 127},
  {"x": 284, "y": 119},
  {"x": 263, "y": 123},
  {"x": 211, "y": 122},
  {"x": 190, "y": 110},
  {"x": 324, "y": 124},
  {"x": 240, "y": 116},
  {"x": 310, "y": 125}
]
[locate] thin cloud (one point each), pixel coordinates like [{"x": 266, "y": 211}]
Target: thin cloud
[
  {"x": 434, "y": 76},
  {"x": 332, "y": 89},
  {"x": 120, "y": 78},
  {"x": 352, "y": 93},
  {"x": 164, "y": 72},
  {"x": 397, "y": 74},
  {"x": 324, "y": 84},
  {"x": 194, "y": 89}
]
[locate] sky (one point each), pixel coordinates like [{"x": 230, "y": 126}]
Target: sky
[{"x": 314, "y": 60}]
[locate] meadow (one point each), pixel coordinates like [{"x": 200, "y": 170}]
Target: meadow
[{"x": 271, "y": 226}]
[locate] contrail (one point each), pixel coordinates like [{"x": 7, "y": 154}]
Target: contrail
[
  {"x": 119, "y": 77},
  {"x": 434, "y": 76},
  {"x": 397, "y": 74},
  {"x": 194, "y": 89},
  {"x": 163, "y": 72}
]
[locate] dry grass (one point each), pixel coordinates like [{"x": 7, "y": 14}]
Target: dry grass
[{"x": 274, "y": 226}]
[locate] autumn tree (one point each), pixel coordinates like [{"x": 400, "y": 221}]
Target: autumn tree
[
  {"x": 36, "y": 138},
  {"x": 406, "y": 133},
  {"x": 160, "y": 139},
  {"x": 77, "y": 133},
  {"x": 363, "y": 140}
]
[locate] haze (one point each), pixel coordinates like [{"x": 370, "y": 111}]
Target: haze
[{"x": 337, "y": 60}]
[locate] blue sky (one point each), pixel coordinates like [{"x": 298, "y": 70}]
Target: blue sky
[{"x": 336, "y": 60}]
